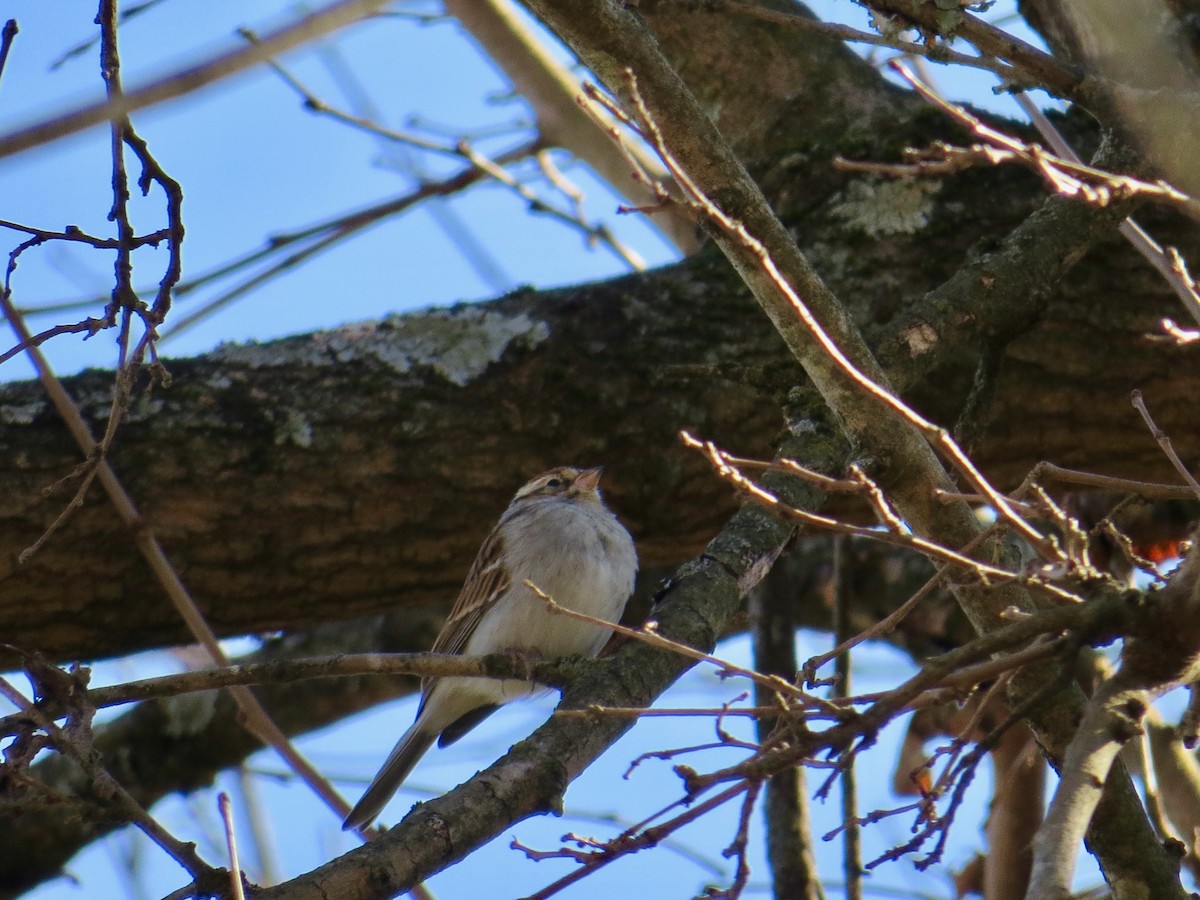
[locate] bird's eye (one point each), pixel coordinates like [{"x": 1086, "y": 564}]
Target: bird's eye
[{"x": 555, "y": 483}]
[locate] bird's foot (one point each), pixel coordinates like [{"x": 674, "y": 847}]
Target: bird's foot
[{"x": 526, "y": 657}]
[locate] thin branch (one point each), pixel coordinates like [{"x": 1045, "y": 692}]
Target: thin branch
[
  {"x": 1151, "y": 490},
  {"x": 639, "y": 712},
  {"x": 934, "y": 52},
  {"x": 328, "y": 234},
  {"x": 235, "y": 866},
  {"x": 7, "y": 35},
  {"x": 624, "y": 845},
  {"x": 464, "y": 150},
  {"x": 648, "y": 635},
  {"x": 287, "y": 671},
  {"x": 315, "y": 104},
  {"x": 1067, "y": 177},
  {"x": 1057, "y": 77},
  {"x": 903, "y": 538},
  {"x": 884, "y": 626},
  {"x": 1164, "y": 441},
  {"x": 257, "y": 719},
  {"x": 89, "y": 327},
  {"x": 852, "y": 868},
  {"x": 1169, "y": 266},
  {"x": 1086, "y": 622},
  {"x": 790, "y": 466},
  {"x": 337, "y": 15},
  {"x": 108, "y": 789}
]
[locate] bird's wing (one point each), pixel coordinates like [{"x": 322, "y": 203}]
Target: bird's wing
[{"x": 486, "y": 583}]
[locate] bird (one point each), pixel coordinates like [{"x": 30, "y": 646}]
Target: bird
[{"x": 557, "y": 534}]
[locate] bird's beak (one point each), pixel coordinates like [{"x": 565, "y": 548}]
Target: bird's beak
[{"x": 588, "y": 479}]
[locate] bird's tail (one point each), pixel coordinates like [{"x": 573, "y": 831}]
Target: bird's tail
[{"x": 410, "y": 748}]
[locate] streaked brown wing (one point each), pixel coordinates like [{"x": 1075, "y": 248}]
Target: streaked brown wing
[{"x": 486, "y": 582}]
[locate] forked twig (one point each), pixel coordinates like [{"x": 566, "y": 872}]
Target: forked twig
[{"x": 1164, "y": 441}]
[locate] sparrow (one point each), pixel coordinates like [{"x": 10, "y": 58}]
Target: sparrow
[{"x": 558, "y": 534}]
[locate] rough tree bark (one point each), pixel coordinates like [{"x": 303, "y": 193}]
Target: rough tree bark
[{"x": 341, "y": 474}]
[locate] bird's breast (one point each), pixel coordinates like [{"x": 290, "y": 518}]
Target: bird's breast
[{"x": 583, "y": 558}]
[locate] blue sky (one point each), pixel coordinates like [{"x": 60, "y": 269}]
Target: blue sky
[{"x": 254, "y": 163}]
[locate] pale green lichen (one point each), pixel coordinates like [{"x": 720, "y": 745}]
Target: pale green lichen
[
  {"x": 21, "y": 413},
  {"x": 144, "y": 407},
  {"x": 881, "y": 207},
  {"x": 458, "y": 343},
  {"x": 188, "y": 714},
  {"x": 294, "y": 429}
]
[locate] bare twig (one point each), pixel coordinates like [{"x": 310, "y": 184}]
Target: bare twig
[
  {"x": 647, "y": 635},
  {"x": 590, "y": 231},
  {"x": 334, "y": 16},
  {"x": 1169, "y": 265},
  {"x": 147, "y": 543},
  {"x": 261, "y": 832},
  {"x": 1125, "y": 546},
  {"x": 942, "y": 669},
  {"x": 292, "y": 670},
  {"x": 626, "y": 843},
  {"x": 1149, "y": 489},
  {"x": 7, "y": 34},
  {"x": 739, "y": 848},
  {"x": 852, "y": 869},
  {"x": 77, "y": 745},
  {"x": 900, "y": 537},
  {"x": 1164, "y": 441},
  {"x": 721, "y": 458},
  {"x": 1065, "y": 176},
  {"x": 1056, "y": 76},
  {"x": 235, "y": 866},
  {"x": 639, "y": 712},
  {"x": 464, "y": 150},
  {"x": 327, "y": 234},
  {"x": 89, "y": 327},
  {"x": 884, "y": 626},
  {"x": 938, "y": 52}
]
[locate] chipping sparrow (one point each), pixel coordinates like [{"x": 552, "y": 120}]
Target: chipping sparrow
[{"x": 558, "y": 534}]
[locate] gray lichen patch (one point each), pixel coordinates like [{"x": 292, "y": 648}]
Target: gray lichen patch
[
  {"x": 21, "y": 413},
  {"x": 894, "y": 206},
  {"x": 458, "y": 343},
  {"x": 188, "y": 714},
  {"x": 143, "y": 407},
  {"x": 294, "y": 429}
]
